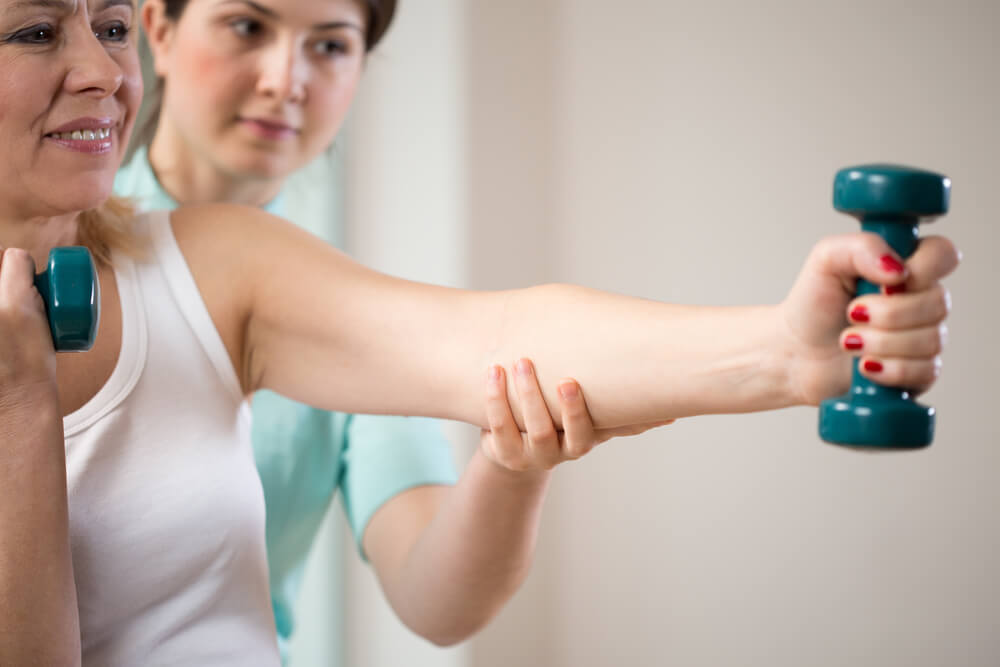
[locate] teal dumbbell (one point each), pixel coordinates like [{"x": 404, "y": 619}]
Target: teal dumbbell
[
  {"x": 72, "y": 296},
  {"x": 890, "y": 201}
]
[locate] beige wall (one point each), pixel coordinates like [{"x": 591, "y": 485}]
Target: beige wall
[{"x": 684, "y": 151}]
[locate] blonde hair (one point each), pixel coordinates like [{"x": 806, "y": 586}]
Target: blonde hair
[{"x": 110, "y": 228}]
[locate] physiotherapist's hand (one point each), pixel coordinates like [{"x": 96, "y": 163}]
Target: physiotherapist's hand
[
  {"x": 898, "y": 333},
  {"x": 541, "y": 446}
]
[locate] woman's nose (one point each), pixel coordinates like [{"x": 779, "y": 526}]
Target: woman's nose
[
  {"x": 283, "y": 73},
  {"x": 92, "y": 69}
]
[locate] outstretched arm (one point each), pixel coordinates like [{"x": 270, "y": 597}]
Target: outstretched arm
[{"x": 303, "y": 319}]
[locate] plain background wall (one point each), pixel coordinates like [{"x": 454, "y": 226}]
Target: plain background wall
[{"x": 685, "y": 151}]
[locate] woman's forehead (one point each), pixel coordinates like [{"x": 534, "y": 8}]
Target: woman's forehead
[
  {"x": 282, "y": 7},
  {"x": 61, "y": 6}
]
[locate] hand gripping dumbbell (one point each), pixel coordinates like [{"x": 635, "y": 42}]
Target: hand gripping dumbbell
[
  {"x": 72, "y": 297},
  {"x": 890, "y": 201}
]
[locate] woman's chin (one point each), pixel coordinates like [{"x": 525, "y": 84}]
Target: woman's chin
[{"x": 76, "y": 200}]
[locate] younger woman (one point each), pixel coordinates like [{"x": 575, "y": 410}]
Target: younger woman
[{"x": 247, "y": 93}]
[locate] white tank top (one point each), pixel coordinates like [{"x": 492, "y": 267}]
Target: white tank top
[{"x": 166, "y": 509}]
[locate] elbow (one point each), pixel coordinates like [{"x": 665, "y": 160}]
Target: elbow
[
  {"x": 452, "y": 636},
  {"x": 450, "y": 629}
]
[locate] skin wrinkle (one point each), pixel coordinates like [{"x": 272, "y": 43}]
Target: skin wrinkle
[
  {"x": 56, "y": 92},
  {"x": 64, "y": 6}
]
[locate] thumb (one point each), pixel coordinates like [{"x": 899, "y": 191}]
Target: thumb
[{"x": 861, "y": 254}]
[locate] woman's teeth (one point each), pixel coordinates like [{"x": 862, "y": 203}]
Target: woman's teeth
[{"x": 83, "y": 135}]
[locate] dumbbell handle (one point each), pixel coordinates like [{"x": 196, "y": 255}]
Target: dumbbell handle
[{"x": 902, "y": 236}]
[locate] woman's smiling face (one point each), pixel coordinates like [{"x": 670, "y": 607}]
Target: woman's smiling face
[
  {"x": 70, "y": 87},
  {"x": 258, "y": 87}
]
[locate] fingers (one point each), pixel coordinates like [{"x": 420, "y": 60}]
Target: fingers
[
  {"x": 868, "y": 255},
  {"x": 17, "y": 272},
  {"x": 579, "y": 436},
  {"x": 901, "y": 311},
  {"x": 907, "y": 359},
  {"x": 898, "y": 333},
  {"x": 27, "y": 346},
  {"x": 915, "y": 375},
  {"x": 18, "y": 296},
  {"x": 502, "y": 442},
  {"x": 934, "y": 259},
  {"x": 541, "y": 446},
  {"x": 542, "y": 438},
  {"x": 865, "y": 255},
  {"x": 538, "y": 448},
  {"x": 921, "y": 343}
]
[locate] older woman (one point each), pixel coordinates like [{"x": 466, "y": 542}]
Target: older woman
[{"x": 130, "y": 509}]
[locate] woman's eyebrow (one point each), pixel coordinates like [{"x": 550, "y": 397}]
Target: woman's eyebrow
[{"x": 270, "y": 13}]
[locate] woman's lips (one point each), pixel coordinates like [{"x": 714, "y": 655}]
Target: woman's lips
[
  {"x": 84, "y": 141},
  {"x": 268, "y": 129},
  {"x": 85, "y": 135}
]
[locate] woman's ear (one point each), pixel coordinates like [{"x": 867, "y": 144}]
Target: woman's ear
[{"x": 159, "y": 29}]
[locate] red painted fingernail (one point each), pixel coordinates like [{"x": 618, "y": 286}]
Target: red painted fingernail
[
  {"x": 895, "y": 289},
  {"x": 859, "y": 314},
  {"x": 873, "y": 366},
  {"x": 891, "y": 264},
  {"x": 853, "y": 342}
]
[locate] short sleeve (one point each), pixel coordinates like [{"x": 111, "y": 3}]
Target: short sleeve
[{"x": 385, "y": 456}]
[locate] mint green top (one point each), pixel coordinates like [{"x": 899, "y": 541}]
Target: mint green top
[{"x": 304, "y": 454}]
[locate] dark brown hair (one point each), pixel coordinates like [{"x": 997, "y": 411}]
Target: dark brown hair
[{"x": 380, "y": 13}]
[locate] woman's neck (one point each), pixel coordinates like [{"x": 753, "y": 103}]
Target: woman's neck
[
  {"x": 190, "y": 178},
  {"x": 38, "y": 235}
]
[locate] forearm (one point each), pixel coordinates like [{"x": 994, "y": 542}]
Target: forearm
[
  {"x": 38, "y": 611},
  {"x": 642, "y": 361},
  {"x": 472, "y": 555}
]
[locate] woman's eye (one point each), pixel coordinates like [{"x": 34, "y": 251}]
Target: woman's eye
[
  {"x": 38, "y": 34},
  {"x": 113, "y": 32},
  {"x": 246, "y": 27},
  {"x": 330, "y": 47}
]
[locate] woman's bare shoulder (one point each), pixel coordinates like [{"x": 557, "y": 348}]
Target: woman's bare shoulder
[
  {"x": 223, "y": 224},
  {"x": 222, "y": 245},
  {"x": 246, "y": 262},
  {"x": 221, "y": 231}
]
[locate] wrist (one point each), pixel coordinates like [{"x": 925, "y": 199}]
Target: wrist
[
  {"x": 755, "y": 368},
  {"x": 781, "y": 361},
  {"x": 29, "y": 406},
  {"x": 503, "y": 475}
]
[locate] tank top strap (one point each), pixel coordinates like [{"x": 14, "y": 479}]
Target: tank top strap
[
  {"x": 131, "y": 356},
  {"x": 181, "y": 283}
]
